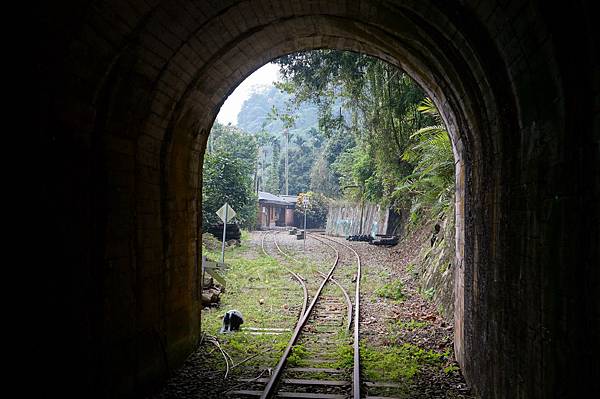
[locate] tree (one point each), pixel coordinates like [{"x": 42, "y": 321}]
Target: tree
[
  {"x": 228, "y": 172},
  {"x": 323, "y": 179},
  {"x": 272, "y": 183},
  {"x": 235, "y": 141},
  {"x": 316, "y": 211},
  {"x": 225, "y": 179},
  {"x": 364, "y": 103},
  {"x": 430, "y": 186}
]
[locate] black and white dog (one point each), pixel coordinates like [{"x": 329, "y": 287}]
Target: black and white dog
[{"x": 232, "y": 321}]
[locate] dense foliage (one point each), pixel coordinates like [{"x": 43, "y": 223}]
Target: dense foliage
[
  {"x": 229, "y": 167},
  {"x": 349, "y": 125},
  {"x": 316, "y": 210},
  {"x": 431, "y": 183},
  {"x": 383, "y": 139}
]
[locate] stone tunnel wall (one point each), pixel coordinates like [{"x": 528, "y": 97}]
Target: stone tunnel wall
[
  {"x": 129, "y": 90},
  {"x": 435, "y": 266}
]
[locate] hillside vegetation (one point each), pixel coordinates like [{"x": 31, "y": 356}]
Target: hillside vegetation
[{"x": 350, "y": 126}]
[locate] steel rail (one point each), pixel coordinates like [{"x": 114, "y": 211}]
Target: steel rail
[
  {"x": 305, "y": 303},
  {"x": 348, "y": 301},
  {"x": 356, "y": 371},
  {"x": 296, "y": 275},
  {"x": 268, "y": 391}
]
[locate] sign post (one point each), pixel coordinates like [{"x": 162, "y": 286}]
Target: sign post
[{"x": 226, "y": 213}]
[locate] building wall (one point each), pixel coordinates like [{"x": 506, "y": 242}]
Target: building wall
[{"x": 289, "y": 217}]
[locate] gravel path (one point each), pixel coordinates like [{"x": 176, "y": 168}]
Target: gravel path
[
  {"x": 385, "y": 323},
  {"x": 414, "y": 320}
]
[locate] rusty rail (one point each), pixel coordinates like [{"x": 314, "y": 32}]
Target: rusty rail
[
  {"x": 356, "y": 371},
  {"x": 296, "y": 276},
  {"x": 348, "y": 301},
  {"x": 268, "y": 391}
]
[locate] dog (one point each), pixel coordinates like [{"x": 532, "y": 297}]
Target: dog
[{"x": 232, "y": 321}]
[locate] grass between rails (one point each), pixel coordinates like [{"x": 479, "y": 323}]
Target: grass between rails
[
  {"x": 253, "y": 277},
  {"x": 266, "y": 296}
]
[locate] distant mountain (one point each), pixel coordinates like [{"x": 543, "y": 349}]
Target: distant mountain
[{"x": 257, "y": 108}]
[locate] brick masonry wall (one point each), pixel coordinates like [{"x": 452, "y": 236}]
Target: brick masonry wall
[{"x": 129, "y": 90}]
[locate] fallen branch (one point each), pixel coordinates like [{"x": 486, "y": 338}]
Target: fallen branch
[
  {"x": 226, "y": 356},
  {"x": 246, "y": 382},
  {"x": 251, "y": 357}
]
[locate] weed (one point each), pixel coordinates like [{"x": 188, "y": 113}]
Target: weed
[
  {"x": 428, "y": 293},
  {"x": 444, "y": 266},
  {"x": 345, "y": 356},
  {"x": 451, "y": 369},
  {"x": 398, "y": 363},
  {"x": 412, "y": 269},
  {"x": 411, "y": 325},
  {"x": 299, "y": 352},
  {"x": 384, "y": 274},
  {"x": 391, "y": 290}
]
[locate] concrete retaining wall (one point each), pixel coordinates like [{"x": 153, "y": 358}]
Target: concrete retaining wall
[{"x": 344, "y": 219}]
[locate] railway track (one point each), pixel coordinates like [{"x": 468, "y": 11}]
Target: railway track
[
  {"x": 356, "y": 387},
  {"x": 367, "y": 389},
  {"x": 297, "y": 276},
  {"x": 322, "y": 329}
]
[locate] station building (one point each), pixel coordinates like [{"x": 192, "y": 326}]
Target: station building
[{"x": 275, "y": 210}]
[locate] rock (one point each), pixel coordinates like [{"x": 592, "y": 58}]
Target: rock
[
  {"x": 208, "y": 281},
  {"x": 206, "y": 298},
  {"x": 211, "y": 296},
  {"x": 210, "y": 242}
]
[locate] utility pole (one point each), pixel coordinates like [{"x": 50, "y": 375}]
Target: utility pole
[
  {"x": 256, "y": 172},
  {"x": 224, "y": 234},
  {"x": 285, "y": 134},
  {"x": 305, "y": 203},
  {"x": 362, "y": 207}
]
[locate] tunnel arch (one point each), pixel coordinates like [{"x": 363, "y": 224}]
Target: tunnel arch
[{"x": 140, "y": 85}]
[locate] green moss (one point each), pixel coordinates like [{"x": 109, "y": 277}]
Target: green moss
[
  {"x": 299, "y": 352},
  {"x": 398, "y": 363},
  {"x": 411, "y": 325}
]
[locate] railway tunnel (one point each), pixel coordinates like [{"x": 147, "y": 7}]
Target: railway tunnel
[{"x": 129, "y": 91}]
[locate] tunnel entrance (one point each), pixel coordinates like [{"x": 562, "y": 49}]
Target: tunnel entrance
[
  {"x": 129, "y": 92},
  {"x": 361, "y": 123}
]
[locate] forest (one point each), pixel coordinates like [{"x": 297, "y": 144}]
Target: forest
[{"x": 353, "y": 127}]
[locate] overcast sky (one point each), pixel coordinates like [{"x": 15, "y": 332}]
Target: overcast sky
[{"x": 264, "y": 76}]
